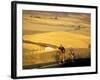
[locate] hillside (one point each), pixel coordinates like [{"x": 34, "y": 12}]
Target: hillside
[{"x": 67, "y": 39}]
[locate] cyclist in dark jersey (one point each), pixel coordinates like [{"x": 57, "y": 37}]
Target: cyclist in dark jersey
[{"x": 61, "y": 54}]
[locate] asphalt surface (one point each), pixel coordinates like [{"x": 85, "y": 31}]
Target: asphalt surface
[{"x": 75, "y": 63}]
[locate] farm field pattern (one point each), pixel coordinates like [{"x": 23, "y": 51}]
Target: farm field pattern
[{"x": 43, "y": 32}]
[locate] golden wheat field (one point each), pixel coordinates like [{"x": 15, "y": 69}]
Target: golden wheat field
[{"x": 44, "y": 31}]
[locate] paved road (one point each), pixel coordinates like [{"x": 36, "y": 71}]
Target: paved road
[
  {"x": 40, "y": 44},
  {"x": 75, "y": 63}
]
